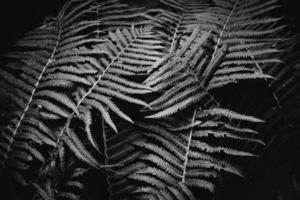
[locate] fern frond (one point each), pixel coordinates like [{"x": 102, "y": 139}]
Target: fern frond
[
  {"x": 242, "y": 22},
  {"x": 120, "y": 152},
  {"x": 178, "y": 20},
  {"x": 176, "y": 156},
  {"x": 55, "y": 63},
  {"x": 187, "y": 75},
  {"x": 185, "y": 78},
  {"x": 122, "y": 56},
  {"x": 33, "y": 81},
  {"x": 78, "y": 148},
  {"x": 93, "y": 55}
]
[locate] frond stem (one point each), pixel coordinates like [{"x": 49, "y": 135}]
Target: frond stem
[
  {"x": 178, "y": 25},
  {"x": 95, "y": 84},
  {"x": 224, "y": 27},
  {"x": 188, "y": 146},
  {"x": 50, "y": 60}
]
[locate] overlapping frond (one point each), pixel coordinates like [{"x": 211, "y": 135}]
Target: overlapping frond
[
  {"x": 40, "y": 72},
  {"x": 94, "y": 55},
  {"x": 120, "y": 153},
  {"x": 123, "y": 153},
  {"x": 56, "y": 66},
  {"x": 247, "y": 31},
  {"x": 187, "y": 76},
  {"x": 178, "y": 20},
  {"x": 105, "y": 16},
  {"x": 169, "y": 159},
  {"x": 128, "y": 52},
  {"x": 185, "y": 79}
]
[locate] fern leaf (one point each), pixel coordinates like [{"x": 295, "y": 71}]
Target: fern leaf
[
  {"x": 38, "y": 54},
  {"x": 173, "y": 158},
  {"x": 78, "y": 149},
  {"x": 108, "y": 85},
  {"x": 41, "y": 192}
]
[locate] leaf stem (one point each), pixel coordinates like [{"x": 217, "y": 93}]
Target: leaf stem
[
  {"x": 188, "y": 147},
  {"x": 50, "y": 60}
]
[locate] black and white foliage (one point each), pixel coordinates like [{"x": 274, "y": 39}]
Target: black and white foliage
[{"x": 135, "y": 93}]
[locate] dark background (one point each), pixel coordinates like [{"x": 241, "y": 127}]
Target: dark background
[{"x": 19, "y": 16}]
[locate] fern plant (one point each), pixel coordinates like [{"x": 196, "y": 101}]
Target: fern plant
[
  {"x": 188, "y": 161},
  {"x": 58, "y": 66},
  {"x": 68, "y": 84},
  {"x": 197, "y": 73},
  {"x": 37, "y": 90}
]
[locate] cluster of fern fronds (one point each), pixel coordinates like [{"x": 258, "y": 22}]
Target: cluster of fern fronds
[{"x": 141, "y": 94}]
